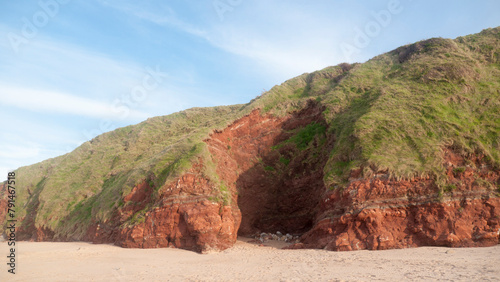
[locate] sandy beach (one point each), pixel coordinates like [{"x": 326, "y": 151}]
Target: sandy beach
[{"x": 247, "y": 261}]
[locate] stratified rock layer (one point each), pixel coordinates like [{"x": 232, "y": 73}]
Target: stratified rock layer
[
  {"x": 182, "y": 217},
  {"x": 186, "y": 216},
  {"x": 379, "y": 213},
  {"x": 279, "y": 185}
]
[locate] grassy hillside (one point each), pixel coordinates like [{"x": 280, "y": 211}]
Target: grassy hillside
[
  {"x": 395, "y": 112},
  {"x": 398, "y": 110},
  {"x": 89, "y": 182}
]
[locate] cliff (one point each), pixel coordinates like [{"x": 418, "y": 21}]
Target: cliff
[{"x": 400, "y": 151}]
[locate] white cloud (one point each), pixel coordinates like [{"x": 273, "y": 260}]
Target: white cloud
[
  {"x": 294, "y": 44},
  {"x": 46, "y": 63},
  {"x": 49, "y": 80},
  {"x": 164, "y": 16},
  {"x": 283, "y": 57},
  {"x": 62, "y": 103},
  {"x": 49, "y": 76},
  {"x": 19, "y": 152}
]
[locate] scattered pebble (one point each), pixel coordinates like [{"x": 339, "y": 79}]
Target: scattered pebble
[{"x": 264, "y": 237}]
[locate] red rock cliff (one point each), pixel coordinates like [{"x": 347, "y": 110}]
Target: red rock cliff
[
  {"x": 379, "y": 213},
  {"x": 279, "y": 187},
  {"x": 183, "y": 217},
  {"x": 276, "y": 186}
]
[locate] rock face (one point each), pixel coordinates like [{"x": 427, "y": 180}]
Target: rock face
[
  {"x": 379, "y": 213},
  {"x": 279, "y": 186},
  {"x": 259, "y": 199},
  {"x": 184, "y": 218},
  {"x": 375, "y": 213}
]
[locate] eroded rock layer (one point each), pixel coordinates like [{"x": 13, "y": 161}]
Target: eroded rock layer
[
  {"x": 319, "y": 156},
  {"x": 379, "y": 213},
  {"x": 183, "y": 217},
  {"x": 279, "y": 185}
]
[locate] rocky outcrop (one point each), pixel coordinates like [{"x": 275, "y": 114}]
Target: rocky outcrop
[
  {"x": 188, "y": 212},
  {"x": 278, "y": 184},
  {"x": 183, "y": 216},
  {"x": 309, "y": 170},
  {"x": 380, "y": 213}
]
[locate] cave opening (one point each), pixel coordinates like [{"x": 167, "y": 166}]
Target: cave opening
[{"x": 274, "y": 168}]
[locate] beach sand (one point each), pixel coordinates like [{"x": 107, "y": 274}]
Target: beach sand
[{"x": 246, "y": 261}]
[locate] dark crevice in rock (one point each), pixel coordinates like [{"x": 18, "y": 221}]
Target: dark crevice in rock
[{"x": 279, "y": 184}]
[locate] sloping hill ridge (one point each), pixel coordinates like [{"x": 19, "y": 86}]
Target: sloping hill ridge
[{"x": 400, "y": 151}]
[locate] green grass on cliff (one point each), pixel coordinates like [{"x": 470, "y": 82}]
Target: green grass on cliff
[
  {"x": 90, "y": 182},
  {"x": 398, "y": 113},
  {"x": 395, "y": 112}
]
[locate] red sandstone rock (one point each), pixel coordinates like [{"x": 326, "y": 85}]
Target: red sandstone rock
[
  {"x": 379, "y": 214},
  {"x": 270, "y": 201},
  {"x": 183, "y": 217},
  {"x": 199, "y": 226}
]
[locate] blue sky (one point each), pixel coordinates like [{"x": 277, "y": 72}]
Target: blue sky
[{"x": 73, "y": 69}]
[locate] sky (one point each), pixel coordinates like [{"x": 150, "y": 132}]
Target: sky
[{"x": 72, "y": 69}]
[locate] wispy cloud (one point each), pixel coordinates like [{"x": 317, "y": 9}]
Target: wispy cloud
[
  {"x": 51, "y": 80},
  {"x": 53, "y": 77},
  {"x": 289, "y": 51},
  {"x": 48, "y": 63},
  {"x": 283, "y": 57},
  {"x": 61, "y": 103},
  {"x": 19, "y": 151},
  {"x": 161, "y": 15}
]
